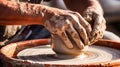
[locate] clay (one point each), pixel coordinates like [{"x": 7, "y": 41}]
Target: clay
[
  {"x": 9, "y": 53},
  {"x": 69, "y": 27},
  {"x": 66, "y": 24},
  {"x": 44, "y": 54},
  {"x": 59, "y": 47}
]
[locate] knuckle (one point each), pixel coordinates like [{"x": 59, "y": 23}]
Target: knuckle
[{"x": 81, "y": 30}]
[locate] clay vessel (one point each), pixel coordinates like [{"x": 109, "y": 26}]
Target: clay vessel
[{"x": 59, "y": 47}]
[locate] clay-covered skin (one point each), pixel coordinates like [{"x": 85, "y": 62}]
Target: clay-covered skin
[
  {"x": 97, "y": 22},
  {"x": 87, "y": 33},
  {"x": 70, "y": 27},
  {"x": 92, "y": 12},
  {"x": 19, "y": 13}
]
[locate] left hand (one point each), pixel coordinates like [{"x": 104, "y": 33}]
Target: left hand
[{"x": 97, "y": 21}]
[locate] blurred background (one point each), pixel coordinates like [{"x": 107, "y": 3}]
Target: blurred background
[{"x": 112, "y": 14}]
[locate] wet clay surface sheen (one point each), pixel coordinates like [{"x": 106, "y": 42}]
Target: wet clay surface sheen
[
  {"x": 108, "y": 55},
  {"x": 44, "y": 54}
]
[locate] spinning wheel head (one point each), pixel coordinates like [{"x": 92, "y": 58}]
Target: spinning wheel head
[{"x": 47, "y": 55}]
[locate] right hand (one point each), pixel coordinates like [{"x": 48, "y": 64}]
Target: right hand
[
  {"x": 97, "y": 21},
  {"x": 70, "y": 27}
]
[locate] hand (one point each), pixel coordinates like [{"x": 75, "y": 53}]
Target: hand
[
  {"x": 97, "y": 21},
  {"x": 70, "y": 27}
]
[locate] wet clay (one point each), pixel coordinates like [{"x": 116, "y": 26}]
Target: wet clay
[
  {"x": 44, "y": 54},
  {"x": 59, "y": 47}
]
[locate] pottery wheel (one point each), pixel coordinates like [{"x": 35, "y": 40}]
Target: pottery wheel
[{"x": 44, "y": 54}]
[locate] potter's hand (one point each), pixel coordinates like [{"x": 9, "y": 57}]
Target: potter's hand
[
  {"x": 97, "y": 21},
  {"x": 70, "y": 27}
]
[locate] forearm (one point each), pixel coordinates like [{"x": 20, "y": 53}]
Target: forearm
[
  {"x": 17, "y": 13},
  {"x": 81, "y": 5}
]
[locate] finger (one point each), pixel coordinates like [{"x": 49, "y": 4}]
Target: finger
[
  {"x": 99, "y": 34},
  {"x": 96, "y": 37},
  {"x": 73, "y": 35},
  {"x": 85, "y": 24},
  {"x": 65, "y": 39},
  {"x": 97, "y": 25},
  {"x": 87, "y": 16},
  {"x": 83, "y": 32}
]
